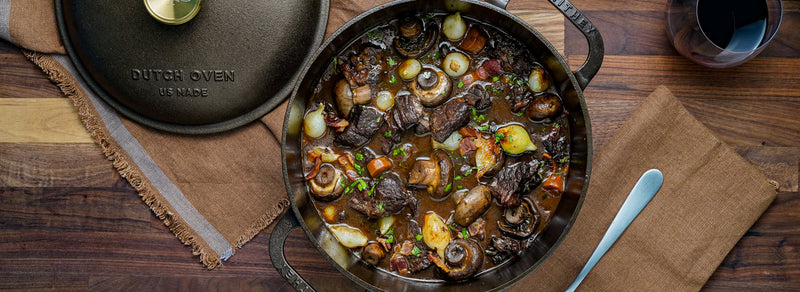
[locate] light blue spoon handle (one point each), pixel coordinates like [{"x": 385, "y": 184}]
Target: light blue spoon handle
[{"x": 640, "y": 195}]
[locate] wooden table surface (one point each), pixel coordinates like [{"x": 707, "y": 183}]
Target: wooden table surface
[{"x": 69, "y": 222}]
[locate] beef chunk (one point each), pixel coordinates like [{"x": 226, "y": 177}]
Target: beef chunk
[
  {"x": 512, "y": 56},
  {"x": 520, "y": 101},
  {"x": 449, "y": 117},
  {"x": 556, "y": 144},
  {"x": 362, "y": 68},
  {"x": 513, "y": 181},
  {"x": 364, "y": 123},
  {"x": 478, "y": 98},
  {"x": 502, "y": 248},
  {"x": 388, "y": 196},
  {"x": 405, "y": 114}
]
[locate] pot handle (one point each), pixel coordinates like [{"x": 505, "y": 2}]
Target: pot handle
[
  {"x": 596, "y": 49},
  {"x": 276, "y": 248}
]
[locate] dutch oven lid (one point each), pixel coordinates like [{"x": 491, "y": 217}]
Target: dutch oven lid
[{"x": 171, "y": 66}]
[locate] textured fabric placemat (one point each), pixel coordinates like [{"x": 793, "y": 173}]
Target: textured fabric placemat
[{"x": 710, "y": 197}]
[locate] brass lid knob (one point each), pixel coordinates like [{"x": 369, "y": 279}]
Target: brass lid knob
[{"x": 173, "y": 12}]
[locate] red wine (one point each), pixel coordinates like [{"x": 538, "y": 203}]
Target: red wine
[{"x": 735, "y": 25}]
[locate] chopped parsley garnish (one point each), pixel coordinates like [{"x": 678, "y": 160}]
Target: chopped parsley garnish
[
  {"x": 359, "y": 156},
  {"x": 418, "y": 237},
  {"x": 374, "y": 33},
  {"x": 499, "y": 137},
  {"x": 437, "y": 55},
  {"x": 483, "y": 127},
  {"x": 563, "y": 160},
  {"x": 464, "y": 233},
  {"x": 458, "y": 177},
  {"x": 358, "y": 168},
  {"x": 393, "y": 80},
  {"x": 448, "y": 187},
  {"x": 390, "y": 61},
  {"x": 398, "y": 151},
  {"x": 388, "y": 134},
  {"x": 361, "y": 184},
  {"x": 380, "y": 207},
  {"x": 372, "y": 190},
  {"x": 495, "y": 79},
  {"x": 460, "y": 83},
  {"x": 416, "y": 252},
  {"x": 451, "y": 227},
  {"x": 519, "y": 114},
  {"x": 556, "y": 126},
  {"x": 476, "y": 117},
  {"x": 460, "y": 187},
  {"x": 390, "y": 239}
]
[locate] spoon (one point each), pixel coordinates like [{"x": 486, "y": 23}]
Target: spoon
[{"x": 640, "y": 195}]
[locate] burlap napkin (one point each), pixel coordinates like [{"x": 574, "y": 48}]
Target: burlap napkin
[{"x": 710, "y": 198}]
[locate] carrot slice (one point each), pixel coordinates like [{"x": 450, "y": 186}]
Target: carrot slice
[{"x": 378, "y": 165}]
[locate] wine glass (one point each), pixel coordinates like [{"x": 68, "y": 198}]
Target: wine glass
[{"x": 722, "y": 33}]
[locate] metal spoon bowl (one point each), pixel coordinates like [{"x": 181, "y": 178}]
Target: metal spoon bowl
[{"x": 640, "y": 195}]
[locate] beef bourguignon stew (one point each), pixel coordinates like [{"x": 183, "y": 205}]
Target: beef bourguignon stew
[{"x": 435, "y": 147}]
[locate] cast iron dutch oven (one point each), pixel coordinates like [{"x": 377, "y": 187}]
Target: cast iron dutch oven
[
  {"x": 494, "y": 13},
  {"x": 226, "y": 65}
]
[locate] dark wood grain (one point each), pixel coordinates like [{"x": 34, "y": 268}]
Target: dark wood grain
[
  {"x": 69, "y": 222},
  {"x": 20, "y": 78}
]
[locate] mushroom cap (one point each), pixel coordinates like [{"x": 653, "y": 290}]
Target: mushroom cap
[
  {"x": 465, "y": 257},
  {"x": 520, "y": 221},
  {"x": 544, "y": 106},
  {"x": 472, "y": 206},
  {"x": 326, "y": 185},
  {"x": 431, "y": 95},
  {"x": 415, "y": 38}
]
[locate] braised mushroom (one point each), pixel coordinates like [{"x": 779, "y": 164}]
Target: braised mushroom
[
  {"x": 432, "y": 86},
  {"x": 344, "y": 97},
  {"x": 545, "y": 106},
  {"x": 520, "y": 221},
  {"x": 327, "y": 185},
  {"x": 474, "y": 203},
  {"x": 373, "y": 253},
  {"x": 414, "y": 38},
  {"x": 435, "y": 174},
  {"x": 462, "y": 259}
]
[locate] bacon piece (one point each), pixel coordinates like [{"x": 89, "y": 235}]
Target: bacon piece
[
  {"x": 477, "y": 228},
  {"x": 493, "y": 67},
  {"x": 467, "y": 145}
]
